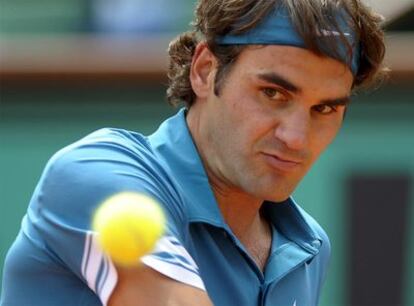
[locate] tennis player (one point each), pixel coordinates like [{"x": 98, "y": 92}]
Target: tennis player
[{"x": 265, "y": 84}]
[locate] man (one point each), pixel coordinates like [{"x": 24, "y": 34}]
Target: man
[{"x": 266, "y": 85}]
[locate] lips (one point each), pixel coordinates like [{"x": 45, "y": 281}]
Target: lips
[{"x": 281, "y": 164}]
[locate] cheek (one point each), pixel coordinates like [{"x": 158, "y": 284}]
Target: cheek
[
  {"x": 255, "y": 116},
  {"x": 247, "y": 118},
  {"x": 323, "y": 135}
]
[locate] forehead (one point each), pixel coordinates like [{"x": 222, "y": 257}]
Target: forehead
[{"x": 299, "y": 65}]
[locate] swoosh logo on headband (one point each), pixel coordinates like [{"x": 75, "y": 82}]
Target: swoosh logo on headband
[{"x": 334, "y": 33}]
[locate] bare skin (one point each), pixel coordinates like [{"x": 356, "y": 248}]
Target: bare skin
[
  {"x": 144, "y": 286},
  {"x": 279, "y": 108}
]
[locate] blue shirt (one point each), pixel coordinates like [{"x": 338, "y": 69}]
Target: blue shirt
[{"x": 55, "y": 259}]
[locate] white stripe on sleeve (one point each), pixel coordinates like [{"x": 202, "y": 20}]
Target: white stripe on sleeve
[
  {"x": 93, "y": 258},
  {"x": 172, "y": 259}
]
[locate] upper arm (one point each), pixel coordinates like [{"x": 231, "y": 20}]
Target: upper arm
[
  {"x": 144, "y": 286},
  {"x": 74, "y": 183}
]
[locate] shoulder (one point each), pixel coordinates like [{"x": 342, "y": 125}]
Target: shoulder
[
  {"x": 101, "y": 151},
  {"x": 105, "y": 162},
  {"x": 82, "y": 175},
  {"x": 106, "y": 142},
  {"x": 102, "y": 158}
]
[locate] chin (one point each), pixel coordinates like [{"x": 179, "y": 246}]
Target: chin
[
  {"x": 278, "y": 192},
  {"x": 273, "y": 194},
  {"x": 273, "y": 187}
]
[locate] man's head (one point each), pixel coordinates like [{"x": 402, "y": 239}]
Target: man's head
[{"x": 261, "y": 114}]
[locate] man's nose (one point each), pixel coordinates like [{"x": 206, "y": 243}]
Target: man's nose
[{"x": 293, "y": 129}]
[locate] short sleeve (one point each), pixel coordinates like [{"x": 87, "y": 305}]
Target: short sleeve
[{"x": 80, "y": 177}]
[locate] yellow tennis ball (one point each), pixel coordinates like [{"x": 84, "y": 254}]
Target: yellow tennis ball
[{"x": 128, "y": 225}]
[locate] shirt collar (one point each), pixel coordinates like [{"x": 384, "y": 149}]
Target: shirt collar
[
  {"x": 174, "y": 146},
  {"x": 290, "y": 219}
]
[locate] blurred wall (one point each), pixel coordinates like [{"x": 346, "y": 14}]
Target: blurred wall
[{"x": 43, "y": 110}]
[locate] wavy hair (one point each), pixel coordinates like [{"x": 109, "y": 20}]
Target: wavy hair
[{"x": 215, "y": 18}]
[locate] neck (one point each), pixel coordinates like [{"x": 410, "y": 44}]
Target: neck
[
  {"x": 242, "y": 214},
  {"x": 240, "y": 210}
]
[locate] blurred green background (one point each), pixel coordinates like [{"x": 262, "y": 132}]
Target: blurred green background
[{"x": 66, "y": 70}]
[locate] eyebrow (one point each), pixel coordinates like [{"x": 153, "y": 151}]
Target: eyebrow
[
  {"x": 278, "y": 80},
  {"x": 339, "y": 101}
]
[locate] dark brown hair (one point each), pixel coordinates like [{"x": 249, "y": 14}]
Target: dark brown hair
[{"x": 215, "y": 18}]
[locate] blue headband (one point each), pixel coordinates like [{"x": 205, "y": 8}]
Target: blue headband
[{"x": 277, "y": 29}]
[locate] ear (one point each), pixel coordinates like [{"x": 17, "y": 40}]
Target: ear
[{"x": 203, "y": 69}]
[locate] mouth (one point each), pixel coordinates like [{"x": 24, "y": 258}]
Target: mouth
[{"x": 282, "y": 164}]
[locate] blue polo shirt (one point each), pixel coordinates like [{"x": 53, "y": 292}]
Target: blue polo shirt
[{"x": 55, "y": 259}]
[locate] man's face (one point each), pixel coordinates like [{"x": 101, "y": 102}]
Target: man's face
[{"x": 278, "y": 109}]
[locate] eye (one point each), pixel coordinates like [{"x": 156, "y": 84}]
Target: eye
[
  {"x": 273, "y": 93},
  {"x": 325, "y": 109}
]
